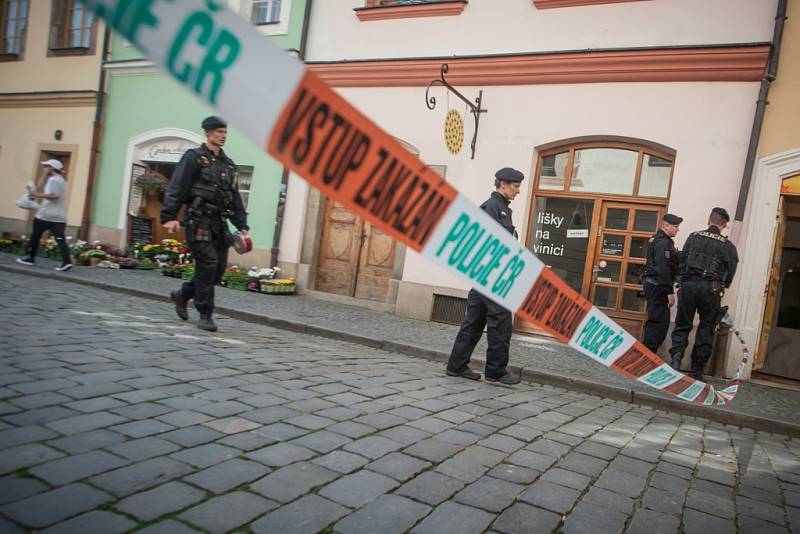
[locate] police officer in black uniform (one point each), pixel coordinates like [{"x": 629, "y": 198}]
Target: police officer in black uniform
[
  {"x": 659, "y": 281},
  {"x": 481, "y": 311},
  {"x": 204, "y": 181},
  {"x": 708, "y": 264}
]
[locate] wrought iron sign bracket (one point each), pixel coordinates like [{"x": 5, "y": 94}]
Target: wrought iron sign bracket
[{"x": 475, "y": 108}]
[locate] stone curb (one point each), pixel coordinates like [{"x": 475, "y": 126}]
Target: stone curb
[{"x": 528, "y": 374}]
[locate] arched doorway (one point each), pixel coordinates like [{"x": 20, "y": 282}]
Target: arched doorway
[
  {"x": 596, "y": 202},
  {"x": 151, "y": 159}
]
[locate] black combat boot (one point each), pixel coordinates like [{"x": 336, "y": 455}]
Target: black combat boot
[
  {"x": 697, "y": 372},
  {"x": 676, "y": 361},
  {"x": 180, "y": 304},
  {"x": 206, "y": 323}
]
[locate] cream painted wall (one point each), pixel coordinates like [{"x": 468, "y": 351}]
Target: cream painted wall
[
  {"x": 37, "y": 72},
  {"x": 336, "y": 32},
  {"x": 706, "y": 123},
  {"x": 781, "y": 131},
  {"x": 293, "y": 220},
  {"x": 25, "y": 132}
]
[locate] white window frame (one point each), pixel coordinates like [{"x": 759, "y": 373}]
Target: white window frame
[
  {"x": 242, "y": 170},
  {"x": 281, "y": 27}
]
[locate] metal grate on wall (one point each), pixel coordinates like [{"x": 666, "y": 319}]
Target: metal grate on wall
[{"x": 447, "y": 309}]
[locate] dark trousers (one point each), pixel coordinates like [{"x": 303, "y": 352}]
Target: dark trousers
[
  {"x": 657, "y": 324},
  {"x": 695, "y": 295},
  {"x": 210, "y": 260},
  {"x": 481, "y": 312},
  {"x": 57, "y": 230}
]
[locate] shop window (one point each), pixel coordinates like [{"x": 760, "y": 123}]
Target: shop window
[
  {"x": 559, "y": 236},
  {"x": 266, "y": 12},
  {"x": 604, "y": 170},
  {"x": 13, "y": 23},
  {"x": 655, "y": 177},
  {"x": 244, "y": 179},
  {"x": 72, "y": 27},
  {"x": 553, "y": 170},
  {"x": 628, "y": 169}
]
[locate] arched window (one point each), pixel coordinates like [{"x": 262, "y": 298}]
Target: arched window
[{"x": 606, "y": 168}]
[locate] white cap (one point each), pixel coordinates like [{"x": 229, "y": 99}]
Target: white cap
[{"x": 54, "y": 163}]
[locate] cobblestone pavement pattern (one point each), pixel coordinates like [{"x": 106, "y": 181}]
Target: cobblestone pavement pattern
[
  {"x": 532, "y": 353},
  {"x": 115, "y": 416}
]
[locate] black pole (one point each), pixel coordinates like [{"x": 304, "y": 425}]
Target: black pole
[
  {"x": 97, "y": 130},
  {"x": 761, "y": 105}
]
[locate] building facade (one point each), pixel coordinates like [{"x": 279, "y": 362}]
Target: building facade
[
  {"x": 150, "y": 122},
  {"x": 49, "y": 84},
  {"x": 617, "y": 112},
  {"x": 768, "y": 299}
]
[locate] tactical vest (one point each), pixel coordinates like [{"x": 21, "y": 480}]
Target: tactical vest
[
  {"x": 651, "y": 268},
  {"x": 212, "y": 189},
  {"x": 705, "y": 256}
]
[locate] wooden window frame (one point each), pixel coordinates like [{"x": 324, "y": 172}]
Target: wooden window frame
[
  {"x": 641, "y": 149},
  {"x": 58, "y": 45},
  {"x": 20, "y": 30}
]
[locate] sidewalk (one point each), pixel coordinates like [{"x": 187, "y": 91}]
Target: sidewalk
[{"x": 756, "y": 406}]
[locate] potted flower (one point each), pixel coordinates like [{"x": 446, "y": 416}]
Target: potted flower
[
  {"x": 94, "y": 256},
  {"x": 152, "y": 183}
]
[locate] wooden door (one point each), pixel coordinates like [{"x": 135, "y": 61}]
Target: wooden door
[
  {"x": 376, "y": 264},
  {"x": 339, "y": 250},
  {"x": 356, "y": 259},
  {"x": 619, "y": 259},
  {"x": 772, "y": 287}
]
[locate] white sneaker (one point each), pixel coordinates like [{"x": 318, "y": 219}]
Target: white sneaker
[
  {"x": 25, "y": 261},
  {"x": 65, "y": 267}
]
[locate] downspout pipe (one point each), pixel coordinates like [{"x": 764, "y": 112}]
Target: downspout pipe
[
  {"x": 97, "y": 132},
  {"x": 276, "y": 237},
  {"x": 761, "y": 105}
]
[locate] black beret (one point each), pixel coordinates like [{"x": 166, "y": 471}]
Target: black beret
[
  {"x": 507, "y": 174},
  {"x": 671, "y": 219},
  {"x": 213, "y": 122},
  {"x": 722, "y": 213}
]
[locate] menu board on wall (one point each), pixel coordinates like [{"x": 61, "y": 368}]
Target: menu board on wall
[
  {"x": 140, "y": 229},
  {"x": 559, "y": 236}
]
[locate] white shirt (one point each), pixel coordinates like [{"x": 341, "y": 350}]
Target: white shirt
[{"x": 54, "y": 210}]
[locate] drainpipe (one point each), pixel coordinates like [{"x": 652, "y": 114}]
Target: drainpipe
[
  {"x": 761, "y": 104},
  {"x": 97, "y": 131},
  {"x": 276, "y": 237}
]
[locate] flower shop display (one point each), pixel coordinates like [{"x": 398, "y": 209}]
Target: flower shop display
[
  {"x": 234, "y": 278},
  {"x": 146, "y": 264},
  {"x": 264, "y": 281},
  {"x": 285, "y": 286}
]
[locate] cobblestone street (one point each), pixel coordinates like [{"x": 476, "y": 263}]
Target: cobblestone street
[{"x": 115, "y": 416}]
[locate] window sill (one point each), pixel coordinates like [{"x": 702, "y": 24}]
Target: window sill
[
  {"x": 271, "y": 23},
  {"x": 407, "y": 11},
  {"x": 553, "y": 4},
  {"x": 69, "y": 51},
  {"x": 13, "y": 56}
]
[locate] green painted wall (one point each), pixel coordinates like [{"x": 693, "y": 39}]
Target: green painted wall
[
  {"x": 290, "y": 41},
  {"x": 139, "y": 103}
]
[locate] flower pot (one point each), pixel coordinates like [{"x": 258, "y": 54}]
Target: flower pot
[{"x": 94, "y": 260}]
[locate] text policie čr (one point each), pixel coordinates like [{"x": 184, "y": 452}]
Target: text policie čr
[
  {"x": 476, "y": 252},
  {"x": 324, "y": 145},
  {"x": 540, "y": 246}
]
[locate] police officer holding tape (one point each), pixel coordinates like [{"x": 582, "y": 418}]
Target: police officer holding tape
[
  {"x": 204, "y": 181},
  {"x": 482, "y": 311},
  {"x": 659, "y": 281},
  {"x": 708, "y": 264}
]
